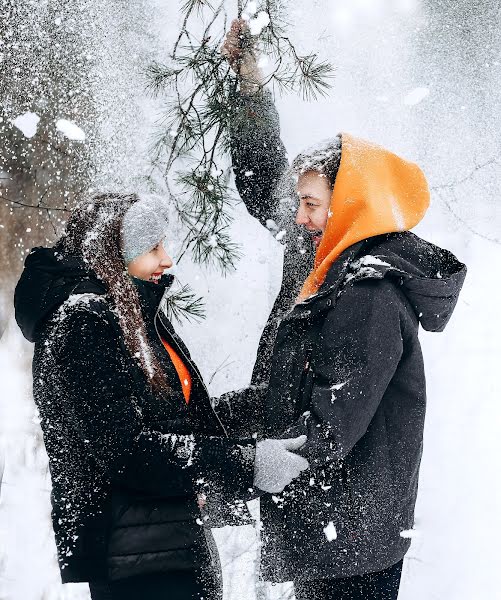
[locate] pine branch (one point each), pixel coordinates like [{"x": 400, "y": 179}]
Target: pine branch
[
  {"x": 215, "y": 247},
  {"x": 159, "y": 77},
  {"x": 184, "y": 304},
  {"x": 38, "y": 206},
  {"x": 195, "y": 5},
  {"x": 313, "y": 77},
  {"x": 208, "y": 193},
  {"x": 202, "y": 89}
]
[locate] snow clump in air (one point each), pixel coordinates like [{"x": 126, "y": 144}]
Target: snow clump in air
[
  {"x": 70, "y": 130},
  {"x": 27, "y": 123},
  {"x": 330, "y": 532},
  {"x": 250, "y": 10},
  {"x": 259, "y": 22},
  {"x": 263, "y": 62},
  {"x": 416, "y": 96},
  {"x": 409, "y": 533},
  {"x": 338, "y": 386}
]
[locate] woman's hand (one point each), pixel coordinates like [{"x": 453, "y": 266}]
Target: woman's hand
[{"x": 239, "y": 51}]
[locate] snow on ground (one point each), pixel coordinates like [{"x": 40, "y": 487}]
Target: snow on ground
[
  {"x": 27, "y": 553},
  {"x": 457, "y": 519}
]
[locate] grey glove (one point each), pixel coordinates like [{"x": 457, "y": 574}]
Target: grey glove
[{"x": 276, "y": 464}]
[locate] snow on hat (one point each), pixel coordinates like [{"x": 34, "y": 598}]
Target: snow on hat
[{"x": 144, "y": 225}]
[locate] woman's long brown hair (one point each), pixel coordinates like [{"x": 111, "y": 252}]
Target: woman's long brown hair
[{"x": 94, "y": 233}]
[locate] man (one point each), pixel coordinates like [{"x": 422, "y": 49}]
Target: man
[{"x": 339, "y": 359}]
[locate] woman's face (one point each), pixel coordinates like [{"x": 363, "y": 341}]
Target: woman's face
[
  {"x": 314, "y": 192},
  {"x": 150, "y": 265}
]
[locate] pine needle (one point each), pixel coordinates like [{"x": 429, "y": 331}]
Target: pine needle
[{"x": 184, "y": 304}]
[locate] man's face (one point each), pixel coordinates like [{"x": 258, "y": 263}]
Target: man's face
[{"x": 314, "y": 192}]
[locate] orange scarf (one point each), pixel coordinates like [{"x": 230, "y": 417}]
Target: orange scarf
[
  {"x": 182, "y": 371},
  {"x": 375, "y": 192}
]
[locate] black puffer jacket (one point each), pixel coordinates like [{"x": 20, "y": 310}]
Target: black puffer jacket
[{"x": 126, "y": 465}]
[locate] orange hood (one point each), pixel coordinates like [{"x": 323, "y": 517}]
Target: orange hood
[{"x": 375, "y": 192}]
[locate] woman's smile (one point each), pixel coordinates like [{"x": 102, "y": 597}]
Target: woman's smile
[{"x": 155, "y": 277}]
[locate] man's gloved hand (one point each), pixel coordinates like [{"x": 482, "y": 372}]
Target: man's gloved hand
[{"x": 276, "y": 465}]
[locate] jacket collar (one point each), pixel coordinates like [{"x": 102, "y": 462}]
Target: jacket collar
[
  {"x": 335, "y": 276},
  {"x": 151, "y": 294},
  {"x": 430, "y": 277}
]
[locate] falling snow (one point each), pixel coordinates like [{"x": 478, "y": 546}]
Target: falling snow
[{"x": 421, "y": 77}]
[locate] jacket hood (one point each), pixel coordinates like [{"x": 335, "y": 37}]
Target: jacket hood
[
  {"x": 375, "y": 192},
  {"x": 50, "y": 277},
  {"x": 429, "y": 276}
]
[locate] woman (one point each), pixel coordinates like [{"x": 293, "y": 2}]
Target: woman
[
  {"x": 340, "y": 356},
  {"x": 128, "y": 425}
]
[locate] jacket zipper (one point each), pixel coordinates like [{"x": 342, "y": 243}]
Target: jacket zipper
[
  {"x": 206, "y": 530},
  {"x": 195, "y": 369}
]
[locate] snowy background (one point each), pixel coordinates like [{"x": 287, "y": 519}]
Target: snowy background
[{"x": 421, "y": 77}]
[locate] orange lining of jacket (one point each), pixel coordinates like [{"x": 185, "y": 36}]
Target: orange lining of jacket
[
  {"x": 181, "y": 369},
  {"x": 375, "y": 192}
]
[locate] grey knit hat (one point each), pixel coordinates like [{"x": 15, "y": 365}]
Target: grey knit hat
[{"x": 144, "y": 225}]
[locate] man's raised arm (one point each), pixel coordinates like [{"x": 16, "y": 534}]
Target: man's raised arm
[{"x": 258, "y": 154}]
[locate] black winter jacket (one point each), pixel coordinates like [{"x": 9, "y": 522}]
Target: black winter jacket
[
  {"x": 126, "y": 465},
  {"x": 347, "y": 371},
  {"x": 345, "y": 368}
]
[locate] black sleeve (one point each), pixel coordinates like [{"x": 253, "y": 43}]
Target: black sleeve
[
  {"x": 360, "y": 346},
  {"x": 103, "y": 410},
  {"x": 258, "y": 154},
  {"x": 241, "y": 411}
]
